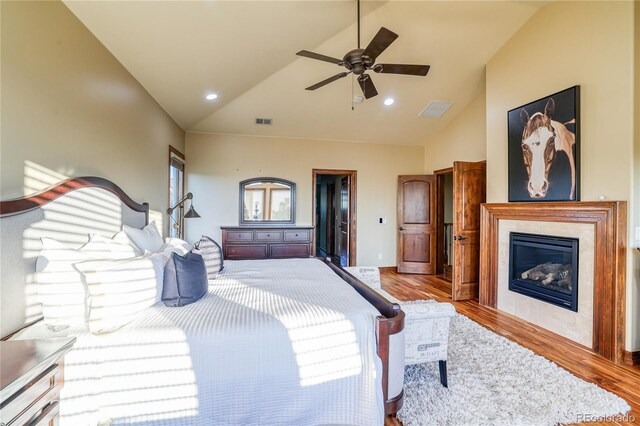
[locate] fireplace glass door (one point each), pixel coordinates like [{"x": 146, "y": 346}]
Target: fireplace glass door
[{"x": 545, "y": 268}]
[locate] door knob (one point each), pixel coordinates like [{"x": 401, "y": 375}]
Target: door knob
[
  {"x": 401, "y": 228},
  {"x": 460, "y": 238}
]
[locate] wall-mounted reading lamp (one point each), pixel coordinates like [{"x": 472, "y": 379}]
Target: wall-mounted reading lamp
[{"x": 191, "y": 213}]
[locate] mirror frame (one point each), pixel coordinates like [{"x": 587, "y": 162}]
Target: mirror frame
[{"x": 245, "y": 183}]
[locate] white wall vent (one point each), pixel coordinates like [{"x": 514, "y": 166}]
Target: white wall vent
[
  {"x": 435, "y": 109},
  {"x": 264, "y": 121}
]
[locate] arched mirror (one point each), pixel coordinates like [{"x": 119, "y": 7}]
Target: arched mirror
[{"x": 267, "y": 201}]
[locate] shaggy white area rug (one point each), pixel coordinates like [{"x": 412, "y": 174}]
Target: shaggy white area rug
[{"x": 494, "y": 381}]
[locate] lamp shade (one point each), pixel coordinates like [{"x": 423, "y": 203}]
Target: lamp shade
[{"x": 191, "y": 213}]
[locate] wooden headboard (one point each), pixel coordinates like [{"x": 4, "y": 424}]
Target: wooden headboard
[{"x": 69, "y": 212}]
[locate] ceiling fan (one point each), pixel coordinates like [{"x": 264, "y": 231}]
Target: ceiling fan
[{"x": 358, "y": 61}]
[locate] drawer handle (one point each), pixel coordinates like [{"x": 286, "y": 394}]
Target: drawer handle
[
  {"x": 268, "y": 235},
  {"x": 296, "y": 235}
]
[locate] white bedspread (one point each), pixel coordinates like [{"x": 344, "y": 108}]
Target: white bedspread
[{"x": 274, "y": 342}]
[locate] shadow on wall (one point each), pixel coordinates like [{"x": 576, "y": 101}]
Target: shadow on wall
[{"x": 70, "y": 220}]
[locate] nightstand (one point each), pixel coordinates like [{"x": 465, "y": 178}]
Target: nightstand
[{"x": 31, "y": 379}]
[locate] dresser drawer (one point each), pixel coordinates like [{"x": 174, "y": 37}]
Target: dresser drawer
[
  {"x": 30, "y": 401},
  {"x": 240, "y": 236},
  {"x": 243, "y": 242},
  {"x": 297, "y": 235},
  {"x": 290, "y": 250},
  {"x": 48, "y": 417},
  {"x": 239, "y": 252},
  {"x": 270, "y": 236}
]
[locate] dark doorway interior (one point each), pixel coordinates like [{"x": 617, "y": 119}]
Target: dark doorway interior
[
  {"x": 335, "y": 219},
  {"x": 329, "y": 237}
]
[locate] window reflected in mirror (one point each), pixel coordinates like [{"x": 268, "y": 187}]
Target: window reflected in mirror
[{"x": 267, "y": 201}]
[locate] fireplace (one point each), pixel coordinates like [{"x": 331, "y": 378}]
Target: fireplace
[{"x": 545, "y": 268}]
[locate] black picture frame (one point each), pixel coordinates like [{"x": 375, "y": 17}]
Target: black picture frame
[{"x": 548, "y": 175}]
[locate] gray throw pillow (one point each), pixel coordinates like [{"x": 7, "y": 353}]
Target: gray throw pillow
[
  {"x": 185, "y": 279},
  {"x": 212, "y": 255}
]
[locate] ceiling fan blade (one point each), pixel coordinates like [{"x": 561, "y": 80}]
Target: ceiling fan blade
[
  {"x": 402, "y": 69},
  {"x": 327, "y": 81},
  {"x": 380, "y": 42},
  {"x": 367, "y": 86},
  {"x": 319, "y": 57}
]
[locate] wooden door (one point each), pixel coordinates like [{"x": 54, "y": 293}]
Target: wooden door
[
  {"x": 469, "y": 191},
  {"x": 331, "y": 219},
  {"x": 344, "y": 221},
  {"x": 417, "y": 236}
]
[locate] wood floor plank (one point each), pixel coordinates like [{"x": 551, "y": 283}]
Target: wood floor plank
[{"x": 579, "y": 360}]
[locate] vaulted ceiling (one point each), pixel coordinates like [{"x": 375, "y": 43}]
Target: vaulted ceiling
[{"x": 245, "y": 52}]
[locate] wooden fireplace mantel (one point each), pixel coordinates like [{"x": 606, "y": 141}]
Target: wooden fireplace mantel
[{"x": 610, "y": 221}]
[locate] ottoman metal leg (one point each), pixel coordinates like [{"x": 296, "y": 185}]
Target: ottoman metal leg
[{"x": 443, "y": 372}]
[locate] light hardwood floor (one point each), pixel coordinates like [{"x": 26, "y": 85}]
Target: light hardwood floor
[{"x": 575, "y": 358}]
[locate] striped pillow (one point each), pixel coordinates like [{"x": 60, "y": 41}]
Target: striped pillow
[
  {"x": 119, "y": 290},
  {"x": 212, "y": 255}
]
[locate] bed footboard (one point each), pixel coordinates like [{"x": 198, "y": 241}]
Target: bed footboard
[{"x": 390, "y": 338}]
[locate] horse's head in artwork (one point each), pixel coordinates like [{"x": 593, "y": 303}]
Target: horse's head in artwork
[{"x": 538, "y": 149}]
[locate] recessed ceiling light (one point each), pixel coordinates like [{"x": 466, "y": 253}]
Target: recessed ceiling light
[
  {"x": 389, "y": 101},
  {"x": 211, "y": 96}
]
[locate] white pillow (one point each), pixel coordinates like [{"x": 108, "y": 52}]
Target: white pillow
[
  {"x": 180, "y": 246},
  {"x": 122, "y": 238},
  {"x": 147, "y": 238},
  {"x": 160, "y": 259},
  {"x": 119, "y": 290},
  {"x": 60, "y": 288},
  {"x": 105, "y": 248}
]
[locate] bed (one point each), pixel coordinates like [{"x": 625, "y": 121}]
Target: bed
[{"x": 295, "y": 341}]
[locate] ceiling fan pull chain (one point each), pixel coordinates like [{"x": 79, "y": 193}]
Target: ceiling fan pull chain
[
  {"x": 353, "y": 94},
  {"x": 358, "y": 8}
]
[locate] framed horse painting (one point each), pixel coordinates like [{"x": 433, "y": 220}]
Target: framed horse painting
[{"x": 544, "y": 148}]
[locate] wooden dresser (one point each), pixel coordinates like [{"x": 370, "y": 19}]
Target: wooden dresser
[
  {"x": 31, "y": 379},
  {"x": 245, "y": 242}
]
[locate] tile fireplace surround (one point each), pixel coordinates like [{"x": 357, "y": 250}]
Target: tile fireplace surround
[
  {"x": 601, "y": 229},
  {"x": 577, "y": 326}
]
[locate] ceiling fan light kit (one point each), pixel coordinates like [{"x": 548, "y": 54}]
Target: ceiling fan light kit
[{"x": 359, "y": 61}]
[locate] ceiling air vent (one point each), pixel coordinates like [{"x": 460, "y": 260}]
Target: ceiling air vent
[
  {"x": 264, "y": 121},
  {"x": 435, "y": 109}
]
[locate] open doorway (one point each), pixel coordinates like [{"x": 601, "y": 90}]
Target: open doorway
[
  {"x": 445, "y": 223},
  {"x": 334, "y": 195}
]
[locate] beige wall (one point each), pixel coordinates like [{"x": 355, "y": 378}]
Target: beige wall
[
  {"x": 216, "y": 163},
  {"x": 70, "y": 108},
  {"x": 461, "y": 140},
  {"x": 564, "y": 44},
  {"x": 567, "y": 43},
  {"x": 634, "y": 288}
]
